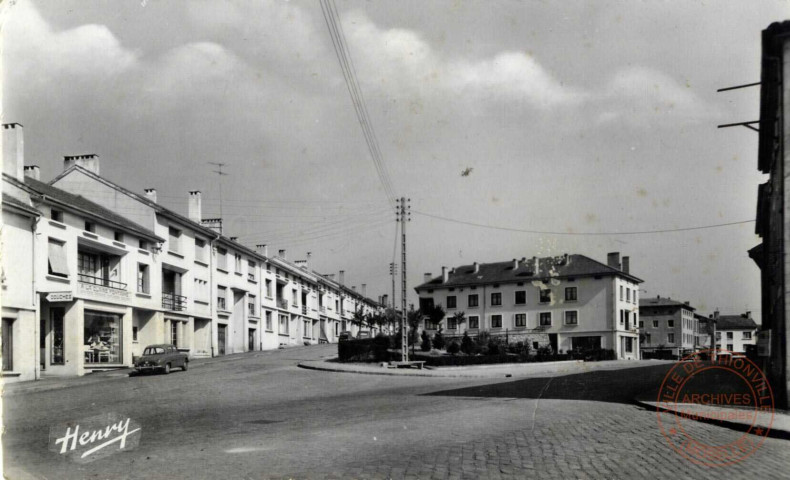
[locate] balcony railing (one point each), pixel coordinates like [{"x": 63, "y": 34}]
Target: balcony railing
[
  {"x": 304, "y": 309},
  {"x": 282, "y": 303},
  {"x": 103, "y": 282},
  {"x": 171, "y": 301}
]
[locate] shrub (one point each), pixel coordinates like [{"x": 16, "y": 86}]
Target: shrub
[
  {"x": 438, "y": 340},
  {"x": 425, "y": 346},
  {"x": 519, "y": 348},
  {"x": 467, "y": 345},
  {"x": 460, "y": 360},
  {"x": 493, "y": 348},
  {"x": 364, "y": 350},
  {"x": 453, "y": 348}
]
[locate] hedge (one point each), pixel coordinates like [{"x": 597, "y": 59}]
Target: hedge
[{"x": 364, "y": 350}]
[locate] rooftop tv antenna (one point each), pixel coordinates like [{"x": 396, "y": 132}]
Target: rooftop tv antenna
[{"x": 221, "y": 174}]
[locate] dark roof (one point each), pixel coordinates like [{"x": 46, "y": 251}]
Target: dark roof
[
  {"x": 735, "y": 322},
  {"x": 15, "y": 202},
  {"x": 550, "y": 267},
  {"x": 94, "y": 209},
  {"x": 662, "y": 302}
]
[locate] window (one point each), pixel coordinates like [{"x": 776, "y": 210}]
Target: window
[
  {"x": 729, "y": 347},
  {"x": 729, "y": 335},
  {"x": 56, "y": 215},
  {"x": 90, "y": 227},
  {"x": 670, "y": 338},
  {"x": 8, "y": 344},
  {"x": 496, "y": 321},
  {"x": 641, "y": 324},
  {"x": 269, "y": 321},
  {"x": 571, "y": 317},
  {"x": 496, "y": 298},
  {"x": 545, "y": 319},
  {"x": 221, "y": 297},
  {"x": 472, "y": 300},
  {"x": 655, "y": 323},
  {"x": 284, "y": 327},
  {"x": 670, "y": 323},
  {"x": 237, "y": 263},
  {"x": 306, "y": 329},
  {"x": 521, "y": 320},
  {"x": 174, "y": 333},
  {"x": 200, "y": 250},
  {"x": 143, "y": 245},
  {"x": 622, "y": 317},
  {"x": 570, "y": 294},
  {"x": 251, "y": 271},
  {"x": 452, "y": 323},
  {"x": 544, "y": 295},
  {"x": 102, "y": 337},
  {"x": 58, "y": 265},
  {"x": 629, "y": 345},
  {"x": 222, "y": 259},
  {"x": 58, "y": 352},
  {"x": 269, "y": 288},
  {"x": 451, "y": 301},
  {"x": 119, "y": 237},
  {"x": 718, "y": 335},
  {"x": 142, "y": 278},
  {"x": 747, "y": 335},
  {"x": 134, "y": 333},
  {"x": 474, "y": 322},
  {"x": 174, "y": 239},
  {"x": 621, "y": 293},
  {"x": 628, "y": 295},
  {"x": 521, "y": 297},
  {"x": 251, "y": 307}
]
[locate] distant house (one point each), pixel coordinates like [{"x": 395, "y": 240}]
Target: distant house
[
  {"x": 667, "y": 324},
  {"x": 734, "y": 332},
  {"x": 569, "y": 302}
]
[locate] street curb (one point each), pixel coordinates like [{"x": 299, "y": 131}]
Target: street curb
[
  {"x": 438, "y": 372},
  {"x": 740, "y": 427}
]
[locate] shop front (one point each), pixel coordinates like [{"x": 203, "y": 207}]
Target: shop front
[{"x": 102, "y": 338}]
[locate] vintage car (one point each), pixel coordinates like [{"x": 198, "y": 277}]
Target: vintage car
[
  {"x": 162, "y": 358},
  {"x": 344, "y": 335}
]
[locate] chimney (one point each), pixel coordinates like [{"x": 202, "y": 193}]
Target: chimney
[
  {"x": 212, "y": 223},
  {"x": 515, "y": 264},
  {"x": 476, "y": 267},
  {"x": 627, "y": 265},
  {"x": 445, "y": 276},
  {"x": 613, "y": 260},
  {"x": 385, "y": 300},
  {"x": 33, "y": 171},
  {"x": 341, "y": 276},
  {"x": 716, "y": 314},
  {"x": 536, "y": 260},
  {"x": 426, "y": 277},
  {"x": 354, "y": 287},
  {"x": 330, "y": 276},
  {"x": 234, "y": 239},
  {"x": 14, "y": 150},
  {"x": 263, "y": 249},
  {"x": 89, "y": 162},
  {"x": 364, "y": 288},
  {"x": 150, "y": 194},
  {"x": 195, "y": 206},
  {"x": 748, "y": 314},
  {"x": 281, "y": 254},
  {"x": 307, "y": 262}
]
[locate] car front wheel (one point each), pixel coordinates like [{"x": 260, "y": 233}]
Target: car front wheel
[
  {"x": 167, "y": 368},
  {"x": 186, "y": 365}
]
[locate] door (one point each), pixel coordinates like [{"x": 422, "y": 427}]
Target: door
[
  {"x": 8, "y": 345},
  {"x": 221, "y": 340},
  {"x": 251, "y": 339},
  {"x": 553, "y": 342}
]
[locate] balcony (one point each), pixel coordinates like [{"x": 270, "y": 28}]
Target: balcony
[
  {"x": 102, "y": 282},
  {"x": 282, "y": 303},
  {"x": 171, "y": 301}
]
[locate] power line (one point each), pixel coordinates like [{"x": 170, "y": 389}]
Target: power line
[{"x": 541, "y": 232}]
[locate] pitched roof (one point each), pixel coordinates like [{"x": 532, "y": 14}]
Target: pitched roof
[
  {"x": 659, "y": 301},
  {"x": 94, "y": 209},
  {"x": 15, "y": 202},
  {"x": 735, "y": 322},
  {"x": 503, "y": 272}
]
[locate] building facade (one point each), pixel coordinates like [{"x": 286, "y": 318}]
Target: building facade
[
  {"x": 667, "y": 325},
  {"x": 569, "y": 302},
  {"x": 735, "y": 332}
]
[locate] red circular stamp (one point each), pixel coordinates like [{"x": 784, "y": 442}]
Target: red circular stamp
[{"x": 727, "y": 387}]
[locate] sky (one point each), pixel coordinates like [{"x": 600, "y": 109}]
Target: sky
[{"x": 594, "y": 117}]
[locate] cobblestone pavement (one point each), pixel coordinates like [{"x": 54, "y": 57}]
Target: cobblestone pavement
[{"x": 261, "y": 417}]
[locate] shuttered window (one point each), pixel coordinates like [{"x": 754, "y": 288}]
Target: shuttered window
[{"x": 58, "y": 265}]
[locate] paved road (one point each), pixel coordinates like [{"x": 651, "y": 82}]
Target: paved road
[{"x": 259, "y": 416}]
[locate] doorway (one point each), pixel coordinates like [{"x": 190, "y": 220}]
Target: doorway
[
  {"x": 8, "y": 344},
  {"x": 221, "y": 339},
  {"x": 251, "y": 339}
]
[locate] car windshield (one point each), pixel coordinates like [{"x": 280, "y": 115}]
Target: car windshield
[{"x": 154, "y": 351}]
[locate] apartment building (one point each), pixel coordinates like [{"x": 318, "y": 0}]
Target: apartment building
[
  {"x": 568, "y": 302},
  {"x": 667, "y": 325},
  {"x": 735, "y": 332}
]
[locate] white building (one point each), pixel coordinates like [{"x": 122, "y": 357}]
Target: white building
[
  {"x": 570, "y": 302},
  {"x": 734, "y": 332}
]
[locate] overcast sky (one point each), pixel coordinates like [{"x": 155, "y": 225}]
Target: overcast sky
[{"x": 574, "y": 116}]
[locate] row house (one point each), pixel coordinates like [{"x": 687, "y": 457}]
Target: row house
[
  {"x": 568, "y": 302},
  {"x": 668, "y": 325},
  {"x": 112, "y": 271},
  {"x": 734, "y": 332}
]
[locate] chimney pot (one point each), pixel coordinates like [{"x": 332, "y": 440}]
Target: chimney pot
[
  {"x": 281, "y": 254},
  {"x": 150, "y": 194},
  {"x": 748, "y": 314},
  {"x": 89, "y": 162},
  {"x": 233, "y": 239},
  {"x": 613, "y": 260},
  {"x": 476, "y": 267},
  {"x": 195, "y": 206},
  {"x": 14, "y": 151},
  {"x": 426, "y": 277},
  {"x": 445, "y": 275},
  {"x": 536, "y": 261},
  {"x": 32, "y": 171},
  {"x": 515, "y": 264},
  {"x": 341, "y": 276},
  {"x": 364, "y": 288},
  {"x": 627, "y": 265}
]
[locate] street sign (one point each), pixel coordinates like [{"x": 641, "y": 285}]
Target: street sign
[
  {"x": 54, "y": 297},
  {"x": 764, "y": 343}
]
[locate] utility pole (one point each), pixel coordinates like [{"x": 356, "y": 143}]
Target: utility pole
[
  {"x": 393, "y": 272},
  {"x": 403, "y": 213},
  {"x": 221, "y": 174}
]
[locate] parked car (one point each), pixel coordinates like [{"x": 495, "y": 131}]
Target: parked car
[
  {"x": 163, "y": 358},
  {"x": 363, "y": 334},
  {"x": 346, "y": 335}
]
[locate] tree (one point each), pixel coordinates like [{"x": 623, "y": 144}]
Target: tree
[
  {"x": 438, "y": 339},
  {"x": 435, "y": 314},
  {"x": 458, "y": 318},
  {"x": 413, "y": 317},
  {"x": 467, "y": 344},
  {"x": 359, "y": 318},
  {"x": 425, "y": 345}
]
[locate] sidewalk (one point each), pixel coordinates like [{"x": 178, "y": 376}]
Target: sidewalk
[
  {"x": 780, "y": 428},
  {"x": 479, "y": 371}
]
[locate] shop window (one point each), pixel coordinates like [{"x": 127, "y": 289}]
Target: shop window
[
  {"x": 58, "y": 264},
  {"x": 58, "y": 356},
  {"x": 102, "y": 337},
  {"x": 629, "y": 345}
]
